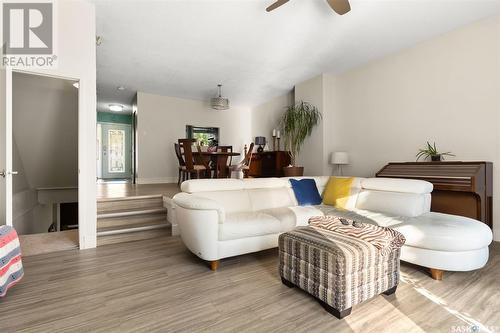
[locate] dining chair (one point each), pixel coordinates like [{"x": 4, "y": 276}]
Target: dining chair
[
  {"x": 182, "y": 164},
  {"x": 226, "y": 149},
  {"x": 194, "y": 164},
  {"x": 244, "y": 165},
  {"x": 222, "y": 167}
]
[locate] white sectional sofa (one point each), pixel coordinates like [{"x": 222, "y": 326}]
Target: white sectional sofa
[{"x": 228, "y": 217}]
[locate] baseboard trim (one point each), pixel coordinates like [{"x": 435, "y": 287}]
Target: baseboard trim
[
  {"x": 496, "y": 235},
  {"x": 175, "y": 230},
  {"x": 161, "y": 180}
]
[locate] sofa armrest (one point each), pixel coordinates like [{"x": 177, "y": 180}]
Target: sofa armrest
[{"x": 193, "y": 202}]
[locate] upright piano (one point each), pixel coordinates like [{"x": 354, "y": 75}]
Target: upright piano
[
  {"x": 268, "y": 164},
  {"x": 460, "y": 188}
]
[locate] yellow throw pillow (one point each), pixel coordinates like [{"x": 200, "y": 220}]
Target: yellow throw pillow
[{"x": 337, "y": 191}]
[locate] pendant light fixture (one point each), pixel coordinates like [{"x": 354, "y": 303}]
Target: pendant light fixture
[{"x": 219, "y": 102}]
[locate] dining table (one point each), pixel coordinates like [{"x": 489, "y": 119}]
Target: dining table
[{"x": 219, "y": 159}]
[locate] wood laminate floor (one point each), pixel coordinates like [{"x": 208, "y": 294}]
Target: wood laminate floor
[
  {"x": 159, "y": 286},
  {"x": 111, "y": 190}
]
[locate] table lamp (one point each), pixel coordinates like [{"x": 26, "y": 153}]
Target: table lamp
[
  {"x": 260, "y": 141},
  {"x": 339, "y": 158}
]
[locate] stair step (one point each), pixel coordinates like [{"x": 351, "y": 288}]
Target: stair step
[
  {"x": 132, "y": 229},
  {"x": 138, "y": 224},
  {"x": 131, "y": 212},
  {"x": 123, "y": 221},
  {"x": 118, "y": 204},
  {"x": 134, "y": 236}
]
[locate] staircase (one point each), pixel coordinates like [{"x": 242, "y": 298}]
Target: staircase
[{"x": 129, "y": 219}]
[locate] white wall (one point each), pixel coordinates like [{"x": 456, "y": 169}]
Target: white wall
[
  {"x": 161, "y": 120},
  {"x": 445, "y": 90},
  {"x": 45, "y": 130},
  {"x": 267, "y": 116},
  {"x": 20, "y": 183},
  {"x": 28, "y": 215},
  {"x": 75, "y": 29},
  {"x": 313, "y": 154}
]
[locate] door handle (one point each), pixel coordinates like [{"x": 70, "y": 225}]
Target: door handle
[{"x": 4, "y": 174}]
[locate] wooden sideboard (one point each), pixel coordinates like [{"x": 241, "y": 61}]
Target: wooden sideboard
[
  {"x": 268, "y": 164},
  {"x": 460, "y": 188}
]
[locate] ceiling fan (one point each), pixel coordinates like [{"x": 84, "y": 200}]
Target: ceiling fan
[{"x": 339, "y": 6}]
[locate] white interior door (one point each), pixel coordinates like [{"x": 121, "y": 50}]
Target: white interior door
[
  {"x": 116, "y": 151},
  {"x": 6, "y": 146}
]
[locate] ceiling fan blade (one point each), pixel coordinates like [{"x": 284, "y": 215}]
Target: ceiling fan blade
[
  {"x": 340, "y": 6},
  {"x": 276, "y": 5}
]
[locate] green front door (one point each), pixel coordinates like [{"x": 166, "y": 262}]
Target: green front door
[{"x": 116, "y": 151}]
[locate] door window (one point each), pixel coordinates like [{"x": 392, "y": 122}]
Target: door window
[{"x": 116, "y": 151}]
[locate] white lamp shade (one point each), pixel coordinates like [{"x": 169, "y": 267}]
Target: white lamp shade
[{"x": 339, "y": 157}]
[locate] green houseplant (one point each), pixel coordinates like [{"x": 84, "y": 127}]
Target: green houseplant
[
  {"x": 297, "y": 124},
  {"x": 431, "y": 152},
  {"x": 202, "y": 138}
]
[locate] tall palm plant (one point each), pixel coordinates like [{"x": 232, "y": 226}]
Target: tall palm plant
[{"x": 297, "y": 124}]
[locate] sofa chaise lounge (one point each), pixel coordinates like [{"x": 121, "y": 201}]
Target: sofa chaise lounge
[{"x": 228, "y": 217}]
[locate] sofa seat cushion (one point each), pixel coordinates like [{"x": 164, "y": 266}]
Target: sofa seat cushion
[
  {"x": 291, "y": 217},
  {"x": 432, "y": 231},
  {"x": 248, "y": 224},
  {"x": 285, "y": 215},
  {"x": 437, "y": 231},
  {"x": 304, "y": 213},
  {"x": 382, "y": 219}
]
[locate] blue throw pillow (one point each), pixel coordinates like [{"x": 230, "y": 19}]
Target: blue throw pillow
[{"x": 306, "y": 192}]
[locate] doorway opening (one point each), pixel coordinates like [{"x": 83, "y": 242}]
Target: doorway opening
[
  {"x": 45, "y": 160},
  {"x": 115, "y": 148}
]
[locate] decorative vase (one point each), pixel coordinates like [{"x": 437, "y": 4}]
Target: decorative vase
[
  {"x": 436, "y": 158},
  {"x": 293, "y": 171}
]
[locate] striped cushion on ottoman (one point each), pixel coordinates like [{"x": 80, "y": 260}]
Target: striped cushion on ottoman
[
  {"x": 11, "y": 267},
  {"x": 338, "y": 268}
]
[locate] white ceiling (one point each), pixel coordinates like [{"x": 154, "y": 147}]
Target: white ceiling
[{"x": 184, "y": 48}]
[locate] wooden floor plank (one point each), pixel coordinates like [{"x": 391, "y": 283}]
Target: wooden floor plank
[
  {"x": 112, "y": 191},
  {"x": 159, "y": 286}
]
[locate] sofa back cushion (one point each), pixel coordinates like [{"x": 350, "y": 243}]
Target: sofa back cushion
[
  {"x": 246, "y": 195},
  {"x": 235, "y": 201},
  {"x": 394, "y": 203},
  {"x": 402, "y": 197},
  {"x": 397, "y": 185},
  {"x": 271, "y": 198},
  {"x": 211, "y": 185}
]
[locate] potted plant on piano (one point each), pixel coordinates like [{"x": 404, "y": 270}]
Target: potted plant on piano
[
  {"x": 431, "y": 152},
  {"x": 297, "y": 124}
]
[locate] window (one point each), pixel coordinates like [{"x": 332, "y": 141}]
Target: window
[
  {"x": 116, "y": 151},
  {"x": 206, "y": 136}
]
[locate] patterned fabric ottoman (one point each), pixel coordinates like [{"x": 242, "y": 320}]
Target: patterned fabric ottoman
[
  {"x": 340, "y": 262},
  {"x": 11, "y": 267}
]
